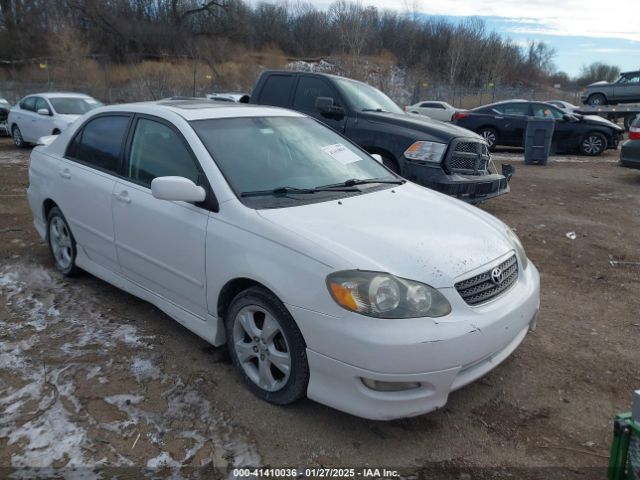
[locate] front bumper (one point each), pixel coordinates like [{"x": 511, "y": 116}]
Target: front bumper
[
  {"x": 441, "y": 356},
  {"x": 470, "y": 188},
  {"x": 630, "y": 154}
]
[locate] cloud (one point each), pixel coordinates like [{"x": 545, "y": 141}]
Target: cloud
[{"x": 583, "y": 18}]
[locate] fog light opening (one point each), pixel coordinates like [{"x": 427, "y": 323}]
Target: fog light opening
[{"x": 389, "y": 386}]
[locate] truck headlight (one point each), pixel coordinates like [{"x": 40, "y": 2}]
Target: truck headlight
[
  {"x": 517, "y": 244},
  {"x": 426, "y": 151},
  {"x": 383, "y": 295}
]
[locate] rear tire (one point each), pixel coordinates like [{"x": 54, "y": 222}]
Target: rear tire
[
  {"x": 490, "y": 136},
  {"x": 266, "y": 347},
  {"x": 593, "y": 144},
  {"x": 17, "y": 137},
  {"x": 597, "y": 100},
  {"x": 61, "y": 243}
]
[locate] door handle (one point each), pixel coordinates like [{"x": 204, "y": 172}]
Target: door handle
[
  {"x": 499, "y": 118},
  {"x": 65, "y": 173},
  {"x": 123, "y": 196}
]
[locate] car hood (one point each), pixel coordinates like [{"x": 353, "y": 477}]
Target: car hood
[
  {"x": 598, "y": 120},
  {"x": 408, "y": 230},
  {"x": 440, "y": 131},
  {"x": 599, "y": 84}
]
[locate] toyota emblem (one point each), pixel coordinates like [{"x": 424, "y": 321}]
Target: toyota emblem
[{"x": 497, "y": 275}]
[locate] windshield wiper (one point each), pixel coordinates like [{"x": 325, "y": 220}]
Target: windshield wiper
[
  {"x": 374, "y": 110},
  {"x": 362, "y": 181},
  {"x": 296, "y": 191}
]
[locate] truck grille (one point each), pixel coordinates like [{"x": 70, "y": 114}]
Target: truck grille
[
  {"x": 469, "y": 158},
  {"x": 489, "y": 284}
]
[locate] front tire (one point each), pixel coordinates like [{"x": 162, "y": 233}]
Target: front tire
[
  {"x": 490, "y": 136},
  {"x": 593, "y": 144},
  {"x": 17, "y": 137},
  {"x": 597, "y": 100},
  {"x": 62, "y": 245},
  {"x": 267, "y": 347}
]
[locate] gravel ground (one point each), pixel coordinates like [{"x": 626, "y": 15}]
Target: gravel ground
[{"x": 95, "y": 381}]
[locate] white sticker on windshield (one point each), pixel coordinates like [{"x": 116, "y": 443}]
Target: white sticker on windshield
[{"x": 341, "y": 153}]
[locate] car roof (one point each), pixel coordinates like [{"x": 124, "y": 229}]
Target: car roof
[
  {"x": 630, "y": 73},
  {"x": 59, "y": 94},
  {"x": 201, "y": 109}
]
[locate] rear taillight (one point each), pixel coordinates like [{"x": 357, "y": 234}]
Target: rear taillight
[
  {"x": 634, "y": 133},
  {"x": 460, "y": 115}
]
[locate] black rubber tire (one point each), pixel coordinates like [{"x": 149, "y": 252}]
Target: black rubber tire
[
  {"x": 489, "y": 133},
  {"x": 391, "y": 164},
  {"x": 296, "y": 386},
  {"x": 597, "y": 100},
  {"x": 18, "y": 140},
  {"x": 594, "y": 137},
  {"x": 72, "y": 270}
]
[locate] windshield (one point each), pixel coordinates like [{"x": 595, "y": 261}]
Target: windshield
[
  {"x": 364, "y": 97},
  {"x": 73, "y": 106},
  {"x": 267, "y": 153}
]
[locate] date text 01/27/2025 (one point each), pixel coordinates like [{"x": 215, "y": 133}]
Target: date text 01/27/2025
[{"x": 319, "y": 472}]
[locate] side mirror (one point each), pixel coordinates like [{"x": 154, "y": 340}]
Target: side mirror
[
  {"x": 376, "y": 157},
  {"x": 44, "y": 112},
  {"x": 326, "y": 105},
  {"x": 177, "y": 189}
]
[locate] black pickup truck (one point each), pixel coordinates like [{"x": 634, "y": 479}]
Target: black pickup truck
[{"x": 440, "y": 156}]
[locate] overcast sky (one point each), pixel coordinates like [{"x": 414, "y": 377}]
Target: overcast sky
[{"x": 581, "y": 31}]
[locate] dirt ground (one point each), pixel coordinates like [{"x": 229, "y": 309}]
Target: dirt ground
[{"x": 95, "y": 380}]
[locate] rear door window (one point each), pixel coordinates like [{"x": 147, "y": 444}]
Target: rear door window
[
  {"x": 439, "y": 106},
  {"x": 518, "y": 109},
  {"x": 99, "y": 142},
  {"x": 276, "y": 90}
]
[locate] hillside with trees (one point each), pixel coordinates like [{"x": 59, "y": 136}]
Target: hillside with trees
[{"x": 223, "y": 43}]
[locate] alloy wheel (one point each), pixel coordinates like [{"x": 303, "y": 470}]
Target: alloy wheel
[
  {"x": 61, "y": 244},
  {"x": 592, "y": 145},
  {"x": 261, "y": 348},
  {"x": 489, "y": 136},
  {"x": 17, "y": 137}
]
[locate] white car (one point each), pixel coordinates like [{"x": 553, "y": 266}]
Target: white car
[
  {"x": 325, "y": 274},
  {"x": 45, "y": 114},
  {"x": 435, "y": 110}
]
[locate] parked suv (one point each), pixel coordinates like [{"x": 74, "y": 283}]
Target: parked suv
[
  {"x": 443, "y": 157},
  {"x": 625, "y": 89}
]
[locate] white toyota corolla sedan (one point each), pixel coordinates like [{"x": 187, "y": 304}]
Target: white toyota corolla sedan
[{"x": 325, "y": 274}]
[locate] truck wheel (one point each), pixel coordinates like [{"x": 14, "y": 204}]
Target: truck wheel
[
  {"x": 597, "y": 100},
  {"x": 593, "y": 144},
  {"x": 391, "y": 164},
  {"x": 267, "y": 347},
  {"x": 17, "y": 137},
  {"x": 490, "y": 136}
]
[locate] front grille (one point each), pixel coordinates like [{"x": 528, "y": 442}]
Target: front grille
[
  {"x": 484, "y": 287},
  {"x": 469, "y": 158}
]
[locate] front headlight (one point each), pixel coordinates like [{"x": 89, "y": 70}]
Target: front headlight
[
  {"x": 517, "y": 244},
  {"x": 383, "y": 295},
  {"x": 426, "y": 151}
]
